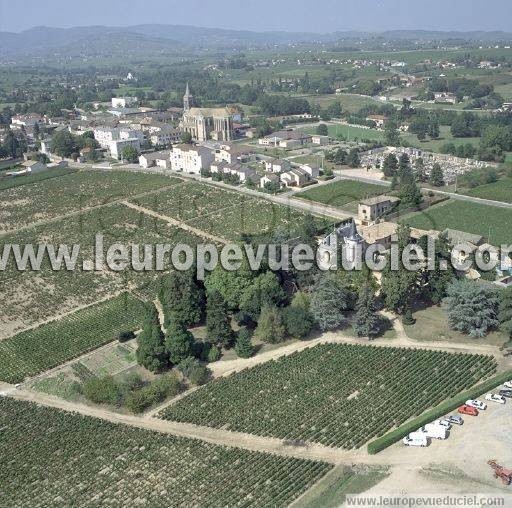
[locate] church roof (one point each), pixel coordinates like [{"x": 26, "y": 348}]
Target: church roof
[{"x": 210, "y": 112}]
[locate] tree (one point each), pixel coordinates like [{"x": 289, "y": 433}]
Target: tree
[
  {"x": 419, "y": 167},
  {"x": 130, "y": 154},
  {"x": 270, "y": 327},
  {"x": 367, "y": 323},
  {"x": 391, "y": 134},
  {"x": 102, "y": 390},
  {"x": 322, "y": 130},
  {"x": 390, "y": 165},
  {"x": 186, "y": 138},
  {"x": 230, "y": 284},
  {"x": 151, "y": 344},
  {"x": 243, "y": 344},
  {"x": 297, "y": 321},
  {"x": 265, "y": 290},
  {"x": 505, "y": 311},
  {"x": 472, "y": 307},
  {"x": 329, "y": 301},
  {"x": 403, "y": 163},
  {"x": 301, "y": 300},
  {"x": 182, "y": 297},
  {"x": 436, "y": 175},
  {"x": 63, "y": 143},
  {"x": 410, "y": 194},
  {"x": 179, "y": 342},
  {"x": 353, "y": 158},
  {"x": 12, "y": 146},
  {"x": 218, "y": 327},
  {"x": 398, "y": 286}
]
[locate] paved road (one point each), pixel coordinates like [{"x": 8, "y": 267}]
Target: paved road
[{"x": 285, "y": 199}]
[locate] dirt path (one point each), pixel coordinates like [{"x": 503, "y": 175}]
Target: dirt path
[
  {"x": 161, "y": 315},
  {"x": 175, "y": 222}
]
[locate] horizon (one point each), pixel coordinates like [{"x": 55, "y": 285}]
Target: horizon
[{"x": 329, "y": 16}]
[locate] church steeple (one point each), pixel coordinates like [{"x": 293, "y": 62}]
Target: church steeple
[{"x": 188, "y": 99}]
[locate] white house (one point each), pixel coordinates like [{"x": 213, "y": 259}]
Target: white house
[
  {"x": 191, "y": 159},
  {"x": 124, "y": 102},
  {"x": 269, "y": 178},
  {"x": 311, "y": 169},
  {"x": 117, "y": 146},
  {"x": 160, "y": 159},
  {"x": 277, "y": 165},
  {"x": 297, "y": 177}
]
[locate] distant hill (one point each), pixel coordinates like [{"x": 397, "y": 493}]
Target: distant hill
[{"x": 140, "y": 39}]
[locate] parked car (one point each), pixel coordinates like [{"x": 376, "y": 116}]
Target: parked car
[
  {"x": 415, "y": 439},
  {"x": 468, "y": 410},
  {"x": 455, "y": 419},
  {"x": 435, "y": 431},
  {"x": 505, "y": 393},
  {"x": 494, "y": 397},
  {"x": 508, "y": 384},
  {"x": 476, "y": 403},
  {"x": 444, "y": 423}
]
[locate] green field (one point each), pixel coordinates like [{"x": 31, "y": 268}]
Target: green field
[
  {"x": 335, "y": 394},
  {"x": 350, "y": 133},
  {"x": 47, "y": 346},
  {"x": 56, "y": 458},
  {"x": 342, "y": 192},
  {"x": 435, "y": 145},
  {"x": 497, "y": 191},
  {"x": 491, "y": 222}
]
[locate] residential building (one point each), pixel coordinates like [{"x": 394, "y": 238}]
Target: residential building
[
  {"x": 191, "y": 159},
  {"x": 379, "y": 120},
  {"x": 25, "y": 121},
  {"x": 124, "y": 102},
  {"x": 231, "y": 153},
  {"x": 445, "y": 98},
  {"x": 105, "y": 136},
  {"x": 269, "y": 178},
  {"x": 346, "y": 236},
  {"x": 317, "y": 139},
  {"x": 312, "y": 170},
  {"x": 296, "y": 177},
  {"x": 117, "y": 146},
  {"x": 369, "y": 210},
  {"x": 286, "y": 138},
  {"x": 161, "y": 159},
  {"x": 277, "y": 165}
]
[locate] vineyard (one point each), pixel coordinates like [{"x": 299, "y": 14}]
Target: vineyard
[
  {"x": 115, "y": 465},
  {"x": 190, "y": 200},
  {"x": 335, "y": 394},
  {"x": 46, "y": 199},
  {"x": 43, "y": 348},
  {"x": 30, "y": 296}
]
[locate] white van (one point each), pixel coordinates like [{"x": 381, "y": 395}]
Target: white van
[
  {"x": 435, "y": 431},
  {"x": 415, "y": 439}
]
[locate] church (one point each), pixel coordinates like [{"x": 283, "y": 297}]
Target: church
[{"x": 205, "y": 123}]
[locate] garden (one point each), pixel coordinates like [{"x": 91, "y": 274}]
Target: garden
[{"x": 339, "y": 395}]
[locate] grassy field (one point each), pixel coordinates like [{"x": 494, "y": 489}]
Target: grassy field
[
  {"x": 498, "y": 191},
  {"x": 342, "y": 192},
  {"x": 108, "y": 464},
  {"x": 435, "y": 145},
  {"x": 350, "y": 133},
  {"x": 432, "y": 325},
  {"x": 335, "y": 394},
  {"x": 43, "y": 348},
  {"x": 491, "y": 222}
]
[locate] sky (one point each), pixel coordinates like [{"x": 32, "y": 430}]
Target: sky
[{"x": 263, "y": 15}]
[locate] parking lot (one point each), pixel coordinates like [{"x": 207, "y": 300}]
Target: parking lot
[{"x": 458, "y": 464}]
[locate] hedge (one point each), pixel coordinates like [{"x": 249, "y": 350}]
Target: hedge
[{"x": 445, "y": 407}]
